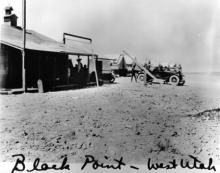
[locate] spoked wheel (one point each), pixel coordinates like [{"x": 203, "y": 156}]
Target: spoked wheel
[
  {"x": 174, "y": 80},
  {"x": 141, "y": 77}
]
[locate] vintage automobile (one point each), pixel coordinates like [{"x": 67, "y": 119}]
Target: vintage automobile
[
  {"x": 109, "y": 77},
  {"x": 171, "y": 75},
  {"x": 104, "y": 70}
]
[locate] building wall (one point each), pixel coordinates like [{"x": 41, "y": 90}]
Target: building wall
[
  {"x": 10, "y": 67},
  {"x": 51, "y": 68}
]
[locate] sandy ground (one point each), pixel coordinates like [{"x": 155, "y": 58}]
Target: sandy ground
[{"x": 123, "y": 119}]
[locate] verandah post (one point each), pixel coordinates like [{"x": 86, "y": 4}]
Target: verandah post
[{"x": 96, "y": 74}]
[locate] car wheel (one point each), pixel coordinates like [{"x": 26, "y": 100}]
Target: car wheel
[
  {"x": 174, "y": 80},
  {"x": 141, "y": 77}
]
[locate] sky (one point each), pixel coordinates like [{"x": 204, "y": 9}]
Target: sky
[{"x": 185, "y": 32}]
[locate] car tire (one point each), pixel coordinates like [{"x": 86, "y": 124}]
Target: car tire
[
  {"x": 141, "y": 77},
  {"x": 174, "y": 80}
]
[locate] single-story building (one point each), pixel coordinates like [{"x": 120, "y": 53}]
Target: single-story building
[
  {"x": 120, "y": 67},
  {"x": 45, "y": 58}
]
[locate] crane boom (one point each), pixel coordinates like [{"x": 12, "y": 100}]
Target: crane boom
[{"x": 146, "y": 71}]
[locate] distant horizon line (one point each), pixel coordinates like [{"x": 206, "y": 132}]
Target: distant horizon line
[{"x": 201, "y": 71}]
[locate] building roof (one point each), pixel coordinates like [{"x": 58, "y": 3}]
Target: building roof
[{"x": 13, "y": 37}]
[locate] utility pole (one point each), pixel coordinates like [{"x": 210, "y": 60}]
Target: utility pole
[{"x": 24, "y": 45}]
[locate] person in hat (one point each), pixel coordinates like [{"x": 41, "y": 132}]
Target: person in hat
[
  {"x": 79, "y": 65},
  {"x": 133, "y": 72}
]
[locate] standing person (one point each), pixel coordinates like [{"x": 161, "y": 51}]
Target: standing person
[
  {"x": 80, "y": 66},
  {"x": 133, "y": 72},
  {"x": 180, "y": 68},
  {"x": 175, "y": 68}
]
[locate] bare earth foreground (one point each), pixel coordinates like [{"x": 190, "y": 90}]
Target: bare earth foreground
[{"x": 126, "y": 119}]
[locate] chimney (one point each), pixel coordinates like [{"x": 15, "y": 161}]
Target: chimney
[{"x": 9, "y": 18}]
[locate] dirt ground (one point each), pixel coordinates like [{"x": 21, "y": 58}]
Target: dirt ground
[{"x": 122, "y": 119}]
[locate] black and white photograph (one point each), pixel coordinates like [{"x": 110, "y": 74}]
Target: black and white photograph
[{"x": 95, "y": 86}]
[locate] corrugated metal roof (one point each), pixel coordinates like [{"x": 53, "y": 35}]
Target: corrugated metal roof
[{"x": 35, "y": 41}]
